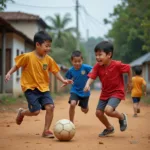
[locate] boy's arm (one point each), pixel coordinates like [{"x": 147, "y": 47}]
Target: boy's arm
[
  {"x": 60, "y": 78},
  {"x": 129, "y": 85},
  {"x": 10, "y": 72},
  {"x": 88, "y": 83},
  {"x": 144, "y": 89}
]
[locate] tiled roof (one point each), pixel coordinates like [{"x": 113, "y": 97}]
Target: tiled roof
[
  {"x": 21, "y": 16},
  {"x": 141, "y": 60},
  {"x": 6, "y": 26}
]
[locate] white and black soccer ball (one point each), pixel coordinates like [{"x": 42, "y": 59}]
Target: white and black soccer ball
[{"x": 64, "y": 130}]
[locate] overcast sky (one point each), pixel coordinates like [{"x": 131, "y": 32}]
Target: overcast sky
[{"x": 98, "y": 9}]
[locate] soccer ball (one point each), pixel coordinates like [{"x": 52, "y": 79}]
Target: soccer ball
[{"x": 64, "y": 130}]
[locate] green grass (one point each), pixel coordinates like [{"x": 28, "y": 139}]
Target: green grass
[
  {"x": 146, "y": 99},
  {"x": 7, "y": 99}
]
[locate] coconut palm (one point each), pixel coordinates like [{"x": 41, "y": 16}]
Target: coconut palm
[{"x": 59, "y": 28}]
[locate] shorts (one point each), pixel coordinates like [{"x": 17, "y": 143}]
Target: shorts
[
  {"x": 37, "y": 99},
  {"x": 136, "y": 99},
  {"x": 113, "y": 102},
  {"x": 81, "y": 101}
]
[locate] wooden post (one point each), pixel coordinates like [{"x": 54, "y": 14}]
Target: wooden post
[{"x": 3, "y": 60}]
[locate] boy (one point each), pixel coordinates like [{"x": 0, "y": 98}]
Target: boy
[
  {"x": 78, "y": 73},
  {"x": 35, "y": 80},
  {"x": 110, "y": 74},
  {"x": 136, "y": 92}
]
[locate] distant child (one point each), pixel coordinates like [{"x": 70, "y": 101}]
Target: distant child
[
  {"x": 78, "y": 73},
  {"x": 110, "y": 73},
  {"x": 137, "y": 83},
  {"x": 36, "y": 66}
]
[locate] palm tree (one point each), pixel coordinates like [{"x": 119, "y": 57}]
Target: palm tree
[{"x": 58, "y": 27}]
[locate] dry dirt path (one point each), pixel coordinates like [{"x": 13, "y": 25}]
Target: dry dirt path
[{"x": 28, "y": 135}]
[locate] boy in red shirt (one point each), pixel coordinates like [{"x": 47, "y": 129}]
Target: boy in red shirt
[{"x": 110, "y": 73}]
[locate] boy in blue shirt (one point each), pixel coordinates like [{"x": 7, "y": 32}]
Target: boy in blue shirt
[{"x": 78, "y": 73}]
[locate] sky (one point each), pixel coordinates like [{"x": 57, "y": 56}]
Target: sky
[{"x": 93, "y": 23}]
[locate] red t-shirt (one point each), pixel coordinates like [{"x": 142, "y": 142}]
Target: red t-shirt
[{"x": 111, "y": 78}]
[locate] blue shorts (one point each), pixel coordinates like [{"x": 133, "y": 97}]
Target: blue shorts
[
  {"x": 113, "y": 102},
  {"x": 37, "y": 99},
  {"x": 136, "y": 99}
]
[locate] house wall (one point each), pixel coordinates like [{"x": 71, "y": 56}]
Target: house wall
[
  {"x": 29, "y": 28},
  {"x": 18, "y": 48},
  {"x": 9, "y": 45},
  {"x": 146, "y": 71},
  {"x": 28, "y": 47}
]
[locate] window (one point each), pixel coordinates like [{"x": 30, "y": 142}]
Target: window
[{"x": 18, "y": 69}]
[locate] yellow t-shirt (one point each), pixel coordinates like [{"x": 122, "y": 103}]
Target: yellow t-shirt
[
  {"x": 137, "y": 83},
  {"x": 35, "y": 73}
]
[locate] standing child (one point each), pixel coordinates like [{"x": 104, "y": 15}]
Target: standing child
[
  {"x": 137, "y": 83},
  {"x": 35, "y": 80},
  {"x": 78, "y": 73},
  {"x": 110, "y": 73}
]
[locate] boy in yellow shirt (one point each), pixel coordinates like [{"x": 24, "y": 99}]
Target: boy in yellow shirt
[
  {"x": 35, "y": 81},
  {"x": 137, "y": 83}
]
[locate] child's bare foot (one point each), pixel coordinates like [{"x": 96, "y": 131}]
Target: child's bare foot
[{"x": 19, "y": 117}]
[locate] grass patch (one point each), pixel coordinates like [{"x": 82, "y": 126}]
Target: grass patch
[
  {"x": 146, "y": 99},
  {"x": 7, "y": 99}
]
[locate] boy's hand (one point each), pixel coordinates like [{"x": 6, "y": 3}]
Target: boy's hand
[
  {"x": 129, "y": 87},
  {"x": 7, "y": 77},
  {"x": 145, "y": 94},
  {"x": 86, "y": 88},
  {"x": 66, "y": 82}
]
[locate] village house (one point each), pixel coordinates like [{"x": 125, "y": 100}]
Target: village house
[
  {"x": 144, "y": 62},
  {"x": 17, "y": 30}
]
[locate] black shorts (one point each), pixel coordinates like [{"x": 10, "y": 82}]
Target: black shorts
[
  {"x": 81, "y": 101},
  {"x": 37, "y": 99}
]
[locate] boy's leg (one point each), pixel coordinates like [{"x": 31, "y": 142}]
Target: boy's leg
[
  {"x": 100, "y": 115},
  {"x": 47, "y": 104},
  {"x": 136, "y": 109},
  {"x": 84, "y": 104},
  {"x": 110, "y": 110},
  {"x": 73, "y": 100},
  {"x": 33, "y": 105},
  {"x": 138, "y": 105}
]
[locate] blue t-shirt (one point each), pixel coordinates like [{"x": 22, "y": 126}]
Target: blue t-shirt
[{"x": 80, "y": 78}]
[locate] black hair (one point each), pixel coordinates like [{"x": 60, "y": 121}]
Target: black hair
[
  {"x": 41, "y": 37},
  {"x": 76, "y": 53},
  {"x": 104, "y": 46},
  {"x": 138, "y": 70}
]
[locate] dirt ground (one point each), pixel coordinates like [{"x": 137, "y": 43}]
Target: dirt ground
[{"x": 28, "y": 135}]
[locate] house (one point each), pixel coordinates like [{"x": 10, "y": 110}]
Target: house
[
  {"x": 12, "y": 43},
  {"x": 17, "y": 30},
  {"x": 144, "y": 62},
  {"x": 29, "y": 24}
]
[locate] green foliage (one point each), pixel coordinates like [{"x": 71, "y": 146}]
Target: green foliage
[
  {"x": 64, "y": 41},
  {"x": 130, "y": 29},
  {"x": 3, "y": 4},
  {"x": 89, "y": 49},
  {"x": 6, "y": 99}
]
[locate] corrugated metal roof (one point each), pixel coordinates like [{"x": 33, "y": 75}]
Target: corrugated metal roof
[{"x": 141, "y": 60}]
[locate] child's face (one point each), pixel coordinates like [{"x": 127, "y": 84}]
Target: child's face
[
  {"x": 44, "y": 48},
  {"x": 102, "y": 58},
  {"x": 77, "y": 62}
]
